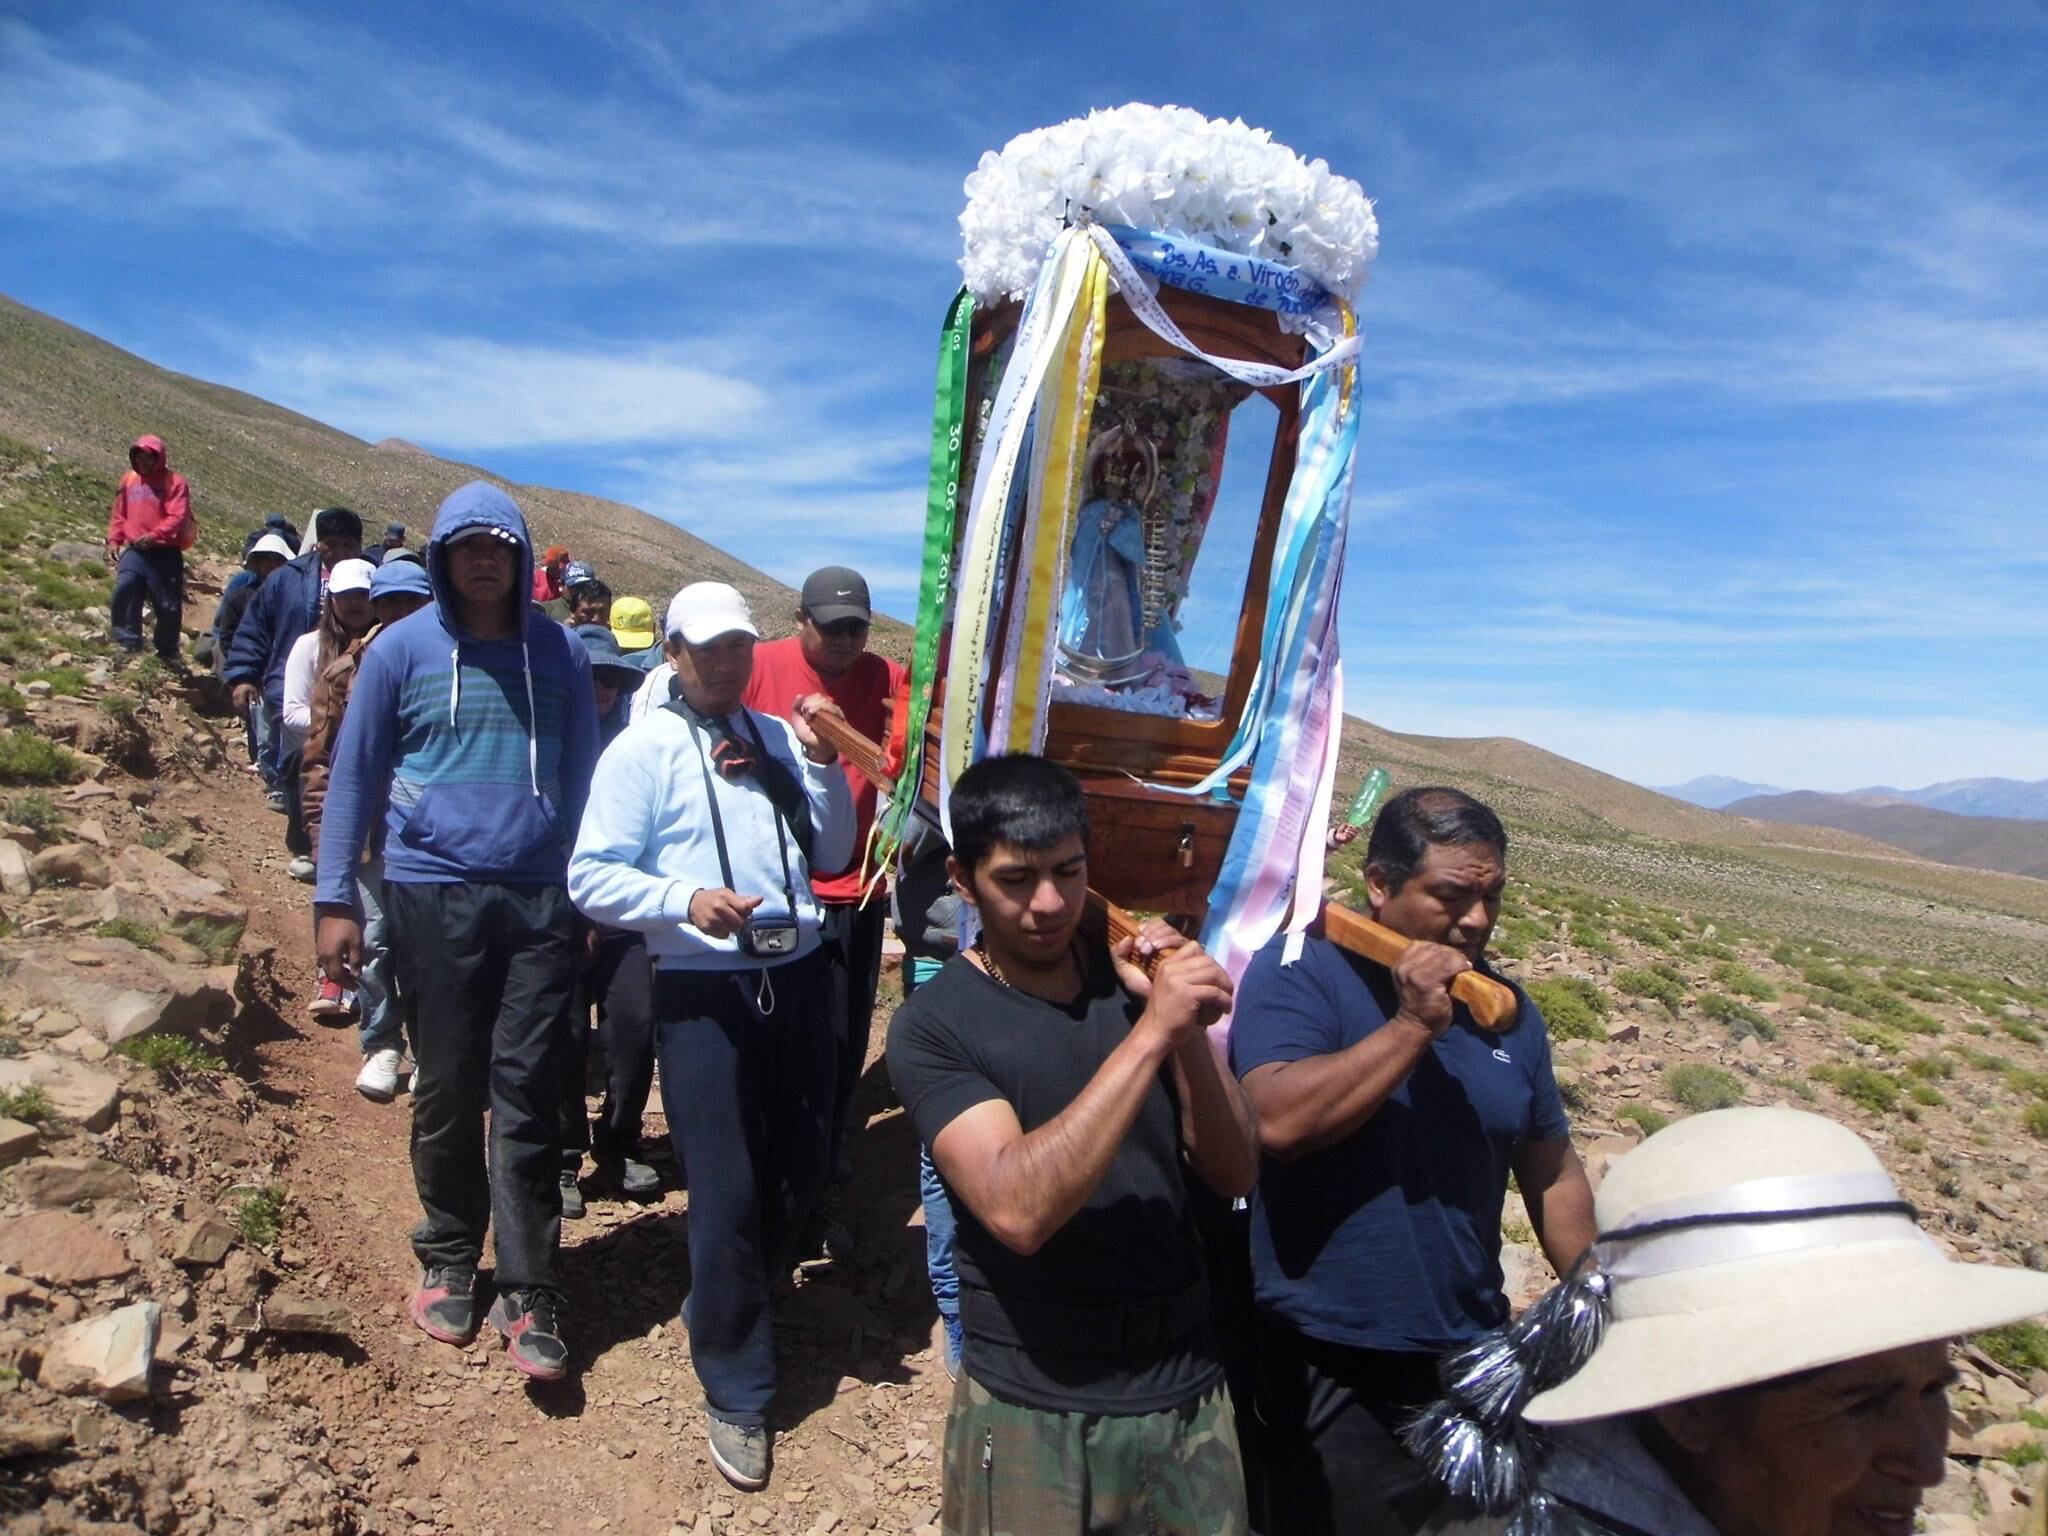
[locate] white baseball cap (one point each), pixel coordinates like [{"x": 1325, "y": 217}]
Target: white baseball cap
[
  {"x": 269, "y": 544},
  {"x": 350, "y": 576},
  {"x": 704, "y": 610}
]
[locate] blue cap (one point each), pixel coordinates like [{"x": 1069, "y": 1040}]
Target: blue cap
[
  {"x": 605, "y": 655},
  {"x": 578, "y": 572},
  {"x": 397, "y": 577}
]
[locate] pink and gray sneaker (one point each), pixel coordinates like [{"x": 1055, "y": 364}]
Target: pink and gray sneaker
[
  {"x": 533, "y": 1339},
  {"x": 444, "y": 1306}
]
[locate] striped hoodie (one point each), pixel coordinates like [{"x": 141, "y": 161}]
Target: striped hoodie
[{"x": 477, "y": 754}]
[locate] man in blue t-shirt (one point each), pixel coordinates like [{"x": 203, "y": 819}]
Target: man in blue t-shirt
[{"x": 1390, "y": 1122}]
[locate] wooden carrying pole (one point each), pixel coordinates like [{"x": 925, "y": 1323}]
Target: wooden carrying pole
[{"x": 1493, "y": 1005}]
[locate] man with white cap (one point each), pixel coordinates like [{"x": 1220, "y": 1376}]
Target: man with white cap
[{"x": 704, "y": 822}]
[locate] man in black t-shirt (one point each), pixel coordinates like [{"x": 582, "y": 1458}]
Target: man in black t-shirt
[{"x": 1064, "y": 1097}]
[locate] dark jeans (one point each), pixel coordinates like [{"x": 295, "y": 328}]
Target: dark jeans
[
  {"x": 288, "y": 779},
  {"x": 491, "y": 970},
  {"x": 156, "y": 574},
  {"x": 747, "y": 1080},
  {"x": 853, "y": 959},
  {"x": 620, "y": 985},
  {"x": 1330, "y": 1447}
]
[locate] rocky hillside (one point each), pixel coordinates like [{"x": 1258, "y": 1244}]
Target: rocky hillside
[{"x": 76, "y": 399}]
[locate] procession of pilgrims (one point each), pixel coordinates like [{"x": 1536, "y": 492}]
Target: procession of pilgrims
[{"x": 1212, "y": 1167}]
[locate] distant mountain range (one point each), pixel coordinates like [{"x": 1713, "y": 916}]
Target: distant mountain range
[
  {"x": 2010, "y": 844},
  {"x": 1714, "y": 790},
  {"x": 2015, "y": 799}
]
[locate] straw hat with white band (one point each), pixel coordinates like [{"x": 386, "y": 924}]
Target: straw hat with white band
[
  {"x": 1749, "y": 1244},
  {"x": 1735, "y": 1248}
]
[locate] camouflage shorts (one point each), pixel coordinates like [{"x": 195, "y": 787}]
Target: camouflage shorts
[{"x": 1014, "y": 1471}]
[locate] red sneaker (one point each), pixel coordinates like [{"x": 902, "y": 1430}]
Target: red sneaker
[{"x": 329, "y": 1001}]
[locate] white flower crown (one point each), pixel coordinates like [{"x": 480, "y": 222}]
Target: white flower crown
[{"x": 1167, "y": 170}]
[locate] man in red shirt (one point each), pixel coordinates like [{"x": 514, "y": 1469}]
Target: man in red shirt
[
  {"x": 829, "y": 654},
  {"x": 148, "y": 532}
]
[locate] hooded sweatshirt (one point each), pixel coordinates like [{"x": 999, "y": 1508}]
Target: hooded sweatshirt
[
  {"x": 155, "y": 506},
  {"x": 476, "y": 752}
]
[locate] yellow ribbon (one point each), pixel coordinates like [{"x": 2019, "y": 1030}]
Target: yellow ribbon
[{"x": 1059, "y": 465}]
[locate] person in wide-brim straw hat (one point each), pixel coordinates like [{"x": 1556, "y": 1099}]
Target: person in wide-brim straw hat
[{"x": 1772, "y": 1349}]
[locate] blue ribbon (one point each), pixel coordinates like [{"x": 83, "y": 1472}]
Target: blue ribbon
[{"x": 1198, "y": 268}]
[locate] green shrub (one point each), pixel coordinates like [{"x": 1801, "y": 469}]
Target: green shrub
[
  {"x": 26, "y": 758},
  {"x": 1700, "y": 1087},
  {"x": 259, "y": 1215},
  {"x": 118, "y": 705},
  {"x": 1740, "y": 1018},
  {"x": 65, "y": 682},
  {"x": 1649, "y": 1119},
  {"x": 171, "y": 1057},
  {"x": 1572, "y": 1007},
  {"x": 1654, "y": 985},
  {"x": 1926, "y": 1093},
  {"x": 217, "y": 936},
  {"x": 141, "y": 935},
  {"x": 1910, "y": 1141},
  {"x": 12, "y": 700},
  {"x": 1592, "y": 938},
  {"x": 52, "y": 590},
  {"x": 1875, "y": 1091},
  {"x": 1936, "y": 1064},
  {"x": 1737, "y": 977},
  {"x": 2021, "y": 1347},
  {"x": 2035, "y": 1118},
  {"x": 2025, "y": 1455},
  {"x": 37, "y": 812},
  {"x": 1876, "y": 1036},
  {"x": 29, "y": 1103},
  {"x": 2021, "y": 1030}
]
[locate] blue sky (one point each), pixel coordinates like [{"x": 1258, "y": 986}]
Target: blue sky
[{"x": 1707, "y": 350}]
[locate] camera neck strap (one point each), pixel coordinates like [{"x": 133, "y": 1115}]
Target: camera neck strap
[{"x": 765, "y": 765}]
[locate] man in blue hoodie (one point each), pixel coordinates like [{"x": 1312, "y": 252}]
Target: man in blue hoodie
[
  {"x": 472, "y": 730},
  {"x": 284, "y": 608}
]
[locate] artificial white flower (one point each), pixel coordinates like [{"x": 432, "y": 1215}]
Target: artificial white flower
[{"x": 1168, "y": 170}]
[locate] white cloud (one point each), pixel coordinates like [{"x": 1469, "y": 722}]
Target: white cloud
[{"x": 468, "y": 394}]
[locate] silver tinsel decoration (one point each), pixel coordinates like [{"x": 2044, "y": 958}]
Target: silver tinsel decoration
[{"x": 1474, "y": 1442}]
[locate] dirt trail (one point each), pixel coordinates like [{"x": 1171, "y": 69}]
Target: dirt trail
[{"x": 455, "y": 1440}]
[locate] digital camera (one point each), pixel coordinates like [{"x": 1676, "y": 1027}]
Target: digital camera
[{"x": 769, "y": 938}]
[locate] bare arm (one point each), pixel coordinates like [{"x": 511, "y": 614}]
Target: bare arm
[
  {"x": 1216, "y": 1122},
  {"x": 1318, "y": 1100},
  {"x": 1025, "y": 1186},
  {"x": 1560, "y": 1200}
]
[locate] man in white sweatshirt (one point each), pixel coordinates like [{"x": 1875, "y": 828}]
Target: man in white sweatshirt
[{"x": 704, "y": 822}]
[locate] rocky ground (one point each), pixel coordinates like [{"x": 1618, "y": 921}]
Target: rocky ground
[{"x": 203, "y": 1251}]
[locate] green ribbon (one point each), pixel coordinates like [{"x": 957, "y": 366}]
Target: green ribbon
[{"x": 942, "y": 503}]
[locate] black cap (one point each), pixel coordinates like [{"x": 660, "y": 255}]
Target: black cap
[
  {"x": 394, "y": 530},
  {"x": 836, "y": 594},
  {"x": 336, "y": 520}
]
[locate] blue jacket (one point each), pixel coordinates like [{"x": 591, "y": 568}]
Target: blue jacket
[
  {"x": 476, "y": 753},
  {"x": 284, "y": 608}
]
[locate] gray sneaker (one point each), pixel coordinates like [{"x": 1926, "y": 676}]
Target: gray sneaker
[
  {"x": 739, "y": 1451},
  {"x": 572, "y": 1196}
]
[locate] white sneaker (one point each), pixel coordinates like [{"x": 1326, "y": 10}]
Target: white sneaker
[
  {"x": 378, "y": 1081},
  {"x": 303, "y": 870}
]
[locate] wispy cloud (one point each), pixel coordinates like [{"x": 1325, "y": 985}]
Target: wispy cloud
[{"x": 470, "y": 394}]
